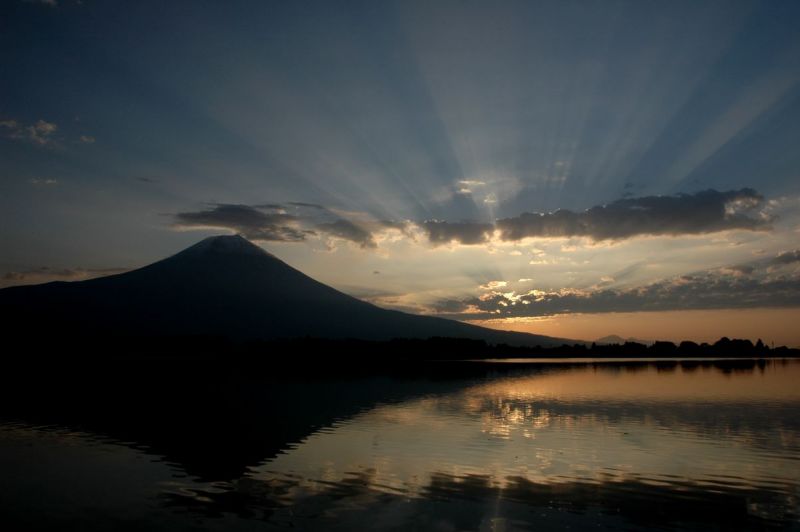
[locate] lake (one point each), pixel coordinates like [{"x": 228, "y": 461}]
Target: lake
[{"x": 625, "y": 444}]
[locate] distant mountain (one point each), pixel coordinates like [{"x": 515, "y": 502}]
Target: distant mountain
[
  {"x": 614, "y": 339},
  {"x": 224, "y": 286}
]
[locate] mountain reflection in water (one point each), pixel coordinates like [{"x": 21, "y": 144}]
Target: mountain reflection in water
[{"x": 685, "y": 445}]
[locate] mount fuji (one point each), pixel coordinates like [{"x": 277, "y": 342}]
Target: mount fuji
[{"x": 224, "y": 286}]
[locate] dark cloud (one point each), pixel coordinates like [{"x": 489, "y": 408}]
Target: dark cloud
[
  {"x": 401, "y": 226},
  {"x": 743, "y": 269},
  {"x": 448, "y": 306},
  {"x": 439, "y": 232},
  {"x": 252, "y": 222},
  {"x": 787, "y": 257},
  {"x": 285, "y": 223},
  {"x": 307, "y": 205},
  {"x": 347, "y": 230},
  {"x": 685, "y": 214},
  {"x": 752, "y": 285}
]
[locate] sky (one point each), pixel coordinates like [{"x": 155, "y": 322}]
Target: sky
[{"x": 570, "y": 168}]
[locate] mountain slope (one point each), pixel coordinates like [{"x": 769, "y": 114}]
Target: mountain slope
[
  {"x": 224, "y": 286},
  {"x": 616, "y": 339}
]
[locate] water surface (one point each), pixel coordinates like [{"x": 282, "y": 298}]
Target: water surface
[{"x": 609, "y": 445}]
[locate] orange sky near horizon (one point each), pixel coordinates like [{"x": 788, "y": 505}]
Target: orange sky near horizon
[{"x": 776, "y": 325}]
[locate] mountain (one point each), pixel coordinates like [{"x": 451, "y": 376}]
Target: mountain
[
  {"x": 224, "y": 286},
  {"x": 615, "y": 339}
]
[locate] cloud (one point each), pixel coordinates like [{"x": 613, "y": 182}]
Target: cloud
[
  {"x": 754, "y": 285},
  {"x": 450, "y": 307},
  {"x": 290, "y": 222},
  {"x": 466, "y": 186},
  {"x": 401, "y": 226},
  {"x": 252, "y": 222},
  {"x": 308, "y": 205},
  {"x": 347, "y": 230},
  {"x": 685, "y": 214},
  {"x": 440, "y": 232},
  {"x": 787, "y": 257},
  {"x": 43, "y": 182},
  {"x": 51, "y": 3},
  {"x": 493, "y": 285},
  {"x": 40, "y": 132}
]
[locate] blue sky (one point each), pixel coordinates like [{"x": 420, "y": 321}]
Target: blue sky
[{"x": 402, "y": 137}]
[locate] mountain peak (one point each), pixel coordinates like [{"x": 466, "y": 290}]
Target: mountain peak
[
  {"x": 223, "y": 286},
  {"x": 225, "y": 244},
  {"x": 616, "y": 339}
]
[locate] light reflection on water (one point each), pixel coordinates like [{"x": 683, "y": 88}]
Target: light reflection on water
[
  {"x": 695, "y": 429},
  {"x": 609, "y": 445}
]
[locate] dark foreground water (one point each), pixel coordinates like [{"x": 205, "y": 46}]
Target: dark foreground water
[{"x": 604, "y": 445}]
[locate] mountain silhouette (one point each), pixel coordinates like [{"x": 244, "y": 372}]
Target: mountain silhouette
[
  {"x": 228, "y": 287},
  {"x": 616, "y": 339}
]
